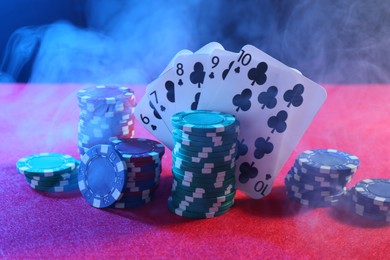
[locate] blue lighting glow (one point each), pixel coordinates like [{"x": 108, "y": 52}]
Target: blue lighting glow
[{"x": 131, "y": 42}]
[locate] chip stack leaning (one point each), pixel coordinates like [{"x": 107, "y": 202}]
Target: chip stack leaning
[
  {"x": 143, "y": 159},
  {"x": 318, "y": 178},
  {"x": 106, "y": 114},
  {"x": 203, "y": 163},
  {"x": 50, "y": 172}
]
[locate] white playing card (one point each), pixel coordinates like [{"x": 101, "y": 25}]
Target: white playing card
[
  {"x": 152, "y": 121},
  {"x": 162, "y": 94},
  {"x": 192, "y": 76},
  {"x": 274, "y": 105},
  {"x": 222, "y": 62},
  {"x": 170, "y": 64}
]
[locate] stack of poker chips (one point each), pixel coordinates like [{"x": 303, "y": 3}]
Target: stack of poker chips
[
  {"x": 50, "y": 172},
  {"x": 370, "y": 199},
  {"x": 203, "y": 163},
  {"x": 318, "y": 178},
  {"x": 143, "y": 159},
  {"x": 106, "y": 114},
  {"x": 124, "y": 174}
]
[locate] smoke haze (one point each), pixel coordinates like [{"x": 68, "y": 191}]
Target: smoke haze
[{"x": 131, "y": 42}]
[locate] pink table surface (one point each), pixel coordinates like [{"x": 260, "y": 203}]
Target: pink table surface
[{"x": 43, "y": 118}]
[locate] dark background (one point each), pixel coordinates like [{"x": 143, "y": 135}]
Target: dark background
[{"x": 105, "y": 41}]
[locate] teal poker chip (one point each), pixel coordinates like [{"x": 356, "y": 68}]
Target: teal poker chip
[
  {"x": 52, "y": 183},
  {"x": 65, "y": 188},
  {"x": 207, "y": 195},
  {"x": 207, "y": 167},
  {"x": 102, "y": 176},
  {"x": 180, "y": 135},
  {"x": 205, "y": 148},
  {"x": 202, "y": 194},
  {"x": 201, "y": 207},
  {"x": 222, "y": 159},
  {"x": 189, "y": 142},
  {"x": 203, "y": 121},
  {"x": 328, "y": 161},
  {"x": 205, "y": 192},
  {"x": 227, "y": 132},
  {"x": 139, "y": 149},
  {"x": 211, "y": 176},
  {"x": 204, "y": 182},
  {"x": 209, "y": 201},
  {"x": 202, "y": 155},
  {"x": 189, "y": 214},
  {"x": 46, "y": 164},
  {"x": 207, "y": 185},
  {"x": 56, "y": 178}
]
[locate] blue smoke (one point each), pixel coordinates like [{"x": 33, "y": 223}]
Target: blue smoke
[{"x": 130, "y": 42}]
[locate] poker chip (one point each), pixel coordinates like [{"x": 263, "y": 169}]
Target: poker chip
[
  {"x": 106, "y": 114},
  {"x": 205, "y": 149},
  {"x": 374, "y": 191},
  {"x": 203, "y": 121},
  {"x": 50, "y": 172},
  {"x": 194, "y": 214},
  {"x": 139, "y": 149},
  {"x": 46, "y": 164},
  {"x": 102, "y": 176},
  {"x": 367, "y": 207},
  {"x": 143, "y": 159},
  {"x": 318, "y": 178},
  {"x": 328, "y": 161},
  {"x": 203, "y": 163}
]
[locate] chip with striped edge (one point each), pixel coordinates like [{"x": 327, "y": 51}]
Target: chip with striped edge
[{"x": 102, "y": 176}]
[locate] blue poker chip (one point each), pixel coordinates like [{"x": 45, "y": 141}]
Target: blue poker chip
[
  {"x": 102, "y": 176},
  {"x": 374, "y": 191},
  {"x": 129, "y": 204},
  {"x": 315, "y": 183},
  {"x": 328, "y": 161},
  {"x": 103, "y": 94},
  {"x": 364, "y": 209},
  {"x": 138, "y": 149}
]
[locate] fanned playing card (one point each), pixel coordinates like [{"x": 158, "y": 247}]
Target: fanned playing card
[{"x": 273, "y": 102}]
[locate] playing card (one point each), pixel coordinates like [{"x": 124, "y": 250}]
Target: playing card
[
  {"x": 161, "y": 91},
  {"x": 192, "y": 76},
  {"x": 274, "y": 105},
  {"x": 149, "y": 117},
  {"x": 170, "y": 64},
  {"x": 162, "y": 94},
  {"x": 222, "y": 62}
]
